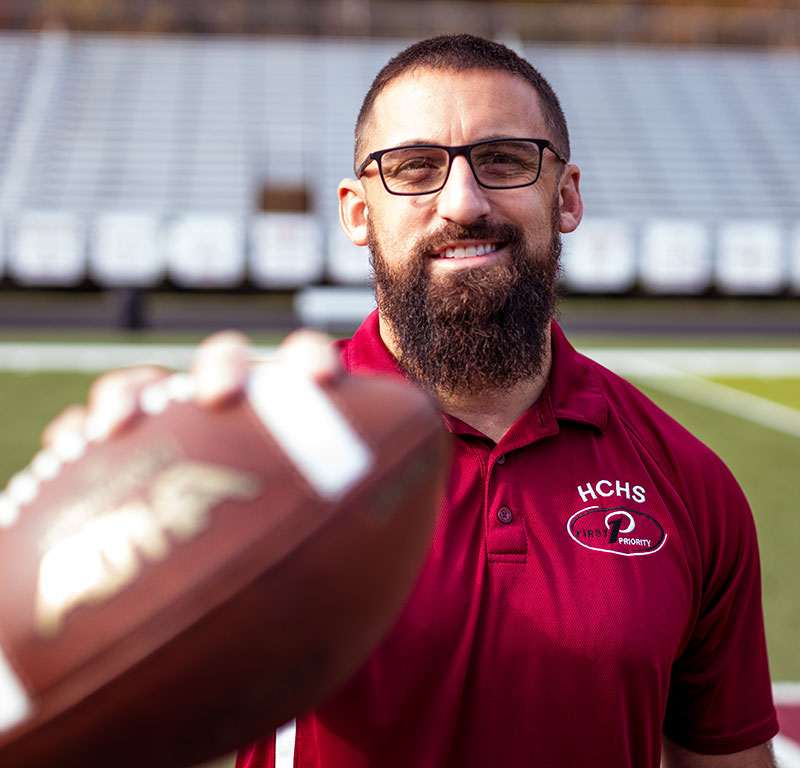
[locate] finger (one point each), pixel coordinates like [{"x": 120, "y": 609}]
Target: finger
[
  {"x": 219, "y": 366},
  {"x": 311, "y": 351},
  {"x": 114, "y": 399},
  {"x": 70, "y": 420}
]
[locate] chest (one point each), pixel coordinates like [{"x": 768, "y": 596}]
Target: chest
[{"x": 561, "y": 550}]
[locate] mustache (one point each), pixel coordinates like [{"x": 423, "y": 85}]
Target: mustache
[{"x": 480, "y": 230}]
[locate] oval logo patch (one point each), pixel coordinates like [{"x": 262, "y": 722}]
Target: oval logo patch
[{"x": 618, "y": 530}]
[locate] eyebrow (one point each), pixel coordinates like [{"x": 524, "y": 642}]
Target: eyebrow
[
  {"x": 412, "y": 142},
  {"x": 428, "y": 142}
]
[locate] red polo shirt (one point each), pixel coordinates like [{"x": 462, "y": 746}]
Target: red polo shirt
[{"x": 593, "y": 578}]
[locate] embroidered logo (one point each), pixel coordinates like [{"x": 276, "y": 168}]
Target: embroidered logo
[{"x": 618, "y": 530}]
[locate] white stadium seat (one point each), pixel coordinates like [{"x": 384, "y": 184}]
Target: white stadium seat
[
  {"x": 794, "y": 259},
  {"x": 675, "y": 257},
  {"x": 751, "y": 258},
  {"x": 47, "y": 248},
  {"x": 285, "y": 250},
  {"x": 348, "y": 263},
  {"x": 126, "y": 249},
  {"x": 599, "y": 257},
  {"x": 206, "y": 251}
]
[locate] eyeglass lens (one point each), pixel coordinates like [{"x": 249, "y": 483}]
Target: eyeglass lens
[{"x": 497, "y": 164}]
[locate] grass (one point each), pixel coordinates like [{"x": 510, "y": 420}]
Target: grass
[
  {"x": 28, "y": 401},
  {"x": 765, "y": 464},
  {"x": 783, "y": 391}
]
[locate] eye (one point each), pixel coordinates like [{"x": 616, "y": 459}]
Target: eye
[
  {"x": 411, "y": 163},
  {"x": 498, "y": 158},
  {"x": 515, "y": 161},
  {"x": 414, "y": 166}
]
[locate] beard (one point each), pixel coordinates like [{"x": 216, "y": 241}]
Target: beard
[{"x": 474, "y": 329}]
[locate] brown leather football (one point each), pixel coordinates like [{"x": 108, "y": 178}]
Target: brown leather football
[{"x": 176, "y": 591}]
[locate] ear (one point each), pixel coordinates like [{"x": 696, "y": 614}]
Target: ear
[
  {"x": 570, "y": 203},
  {"x": 353, "y": 210}
]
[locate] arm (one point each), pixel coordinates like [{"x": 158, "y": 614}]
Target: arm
[{"x": 673, "y": 756}]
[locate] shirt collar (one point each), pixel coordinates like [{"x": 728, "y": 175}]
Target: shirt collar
[
  {"x": 571, "y": 394},
  {"x": 366, "y": 353},
  {"x": 575, "y": 394}
]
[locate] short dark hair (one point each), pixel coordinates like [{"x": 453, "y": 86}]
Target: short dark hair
[{"x": 459, "y": 53}]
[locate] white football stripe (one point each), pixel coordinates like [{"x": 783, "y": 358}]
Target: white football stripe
[
  {"x": 285, "y": 738},
  {"x": 309, "y": 428},
  {"x": 15, "y": 705}
]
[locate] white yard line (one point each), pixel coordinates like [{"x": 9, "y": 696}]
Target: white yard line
[
  {"x": 680, "y": 373},
  {"x": 88, "y": 358},
  {"x": 787, "y": 752},
  {"x": 32, "y": 357},
  {"x": 734, "y": 402},
  {"x": 786, "y": 693},
  {"x": 752, "y": 362}
]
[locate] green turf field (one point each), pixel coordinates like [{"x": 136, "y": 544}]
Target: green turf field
[{"x": 766, "y": 463}]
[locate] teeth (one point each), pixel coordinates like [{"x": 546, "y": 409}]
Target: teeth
[{"x": 468, "y": 251}]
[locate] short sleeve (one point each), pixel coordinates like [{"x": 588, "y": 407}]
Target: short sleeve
[{"x": 720, "y": 698}]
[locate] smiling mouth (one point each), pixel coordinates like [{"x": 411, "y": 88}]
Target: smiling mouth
[{"x": 468, "y": 251}]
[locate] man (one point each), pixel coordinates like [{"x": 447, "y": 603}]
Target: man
[
  {"x": 593, "y": 581},
  {"x": 594, "y": 575}
]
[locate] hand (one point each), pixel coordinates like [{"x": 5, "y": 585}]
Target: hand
[{"x": 219, "y": 370}]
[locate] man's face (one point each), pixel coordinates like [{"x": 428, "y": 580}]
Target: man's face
[{"x": 467, "y": 275}]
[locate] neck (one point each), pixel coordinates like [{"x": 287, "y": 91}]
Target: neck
[{"x": 490, "y": 411}]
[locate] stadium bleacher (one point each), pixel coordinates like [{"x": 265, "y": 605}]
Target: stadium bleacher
[{"x": 130, "y": 160}]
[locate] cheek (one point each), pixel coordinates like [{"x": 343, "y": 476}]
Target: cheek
[
  {"x": 396, "y": 229},
  {"x": 538, "y": 221}
]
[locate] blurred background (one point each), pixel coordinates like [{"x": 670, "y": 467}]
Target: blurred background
[
  {"x": 153, "y": 151},
  {"x": 169, "y": 167}
]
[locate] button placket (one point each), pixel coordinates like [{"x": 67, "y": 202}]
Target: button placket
[{"x": 505, "y": 530}]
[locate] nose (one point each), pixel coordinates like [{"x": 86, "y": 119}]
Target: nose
[{"x": 462, "y": 200}]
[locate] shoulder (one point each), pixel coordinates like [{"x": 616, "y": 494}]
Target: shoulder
[{"x": 687, "y": 462}]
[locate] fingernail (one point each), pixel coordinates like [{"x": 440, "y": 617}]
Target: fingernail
[
  {"x": 69, "y": 445},
  {"x": 45, "y": 465},
  {"x": 216, "y": 384}
]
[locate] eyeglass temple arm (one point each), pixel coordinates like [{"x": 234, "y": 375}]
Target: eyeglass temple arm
[
  {"x": 362, "y": 167},
  {"x": 556, "y": 152}
]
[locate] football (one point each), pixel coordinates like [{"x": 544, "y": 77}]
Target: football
[{"x": 180, "y": 589}]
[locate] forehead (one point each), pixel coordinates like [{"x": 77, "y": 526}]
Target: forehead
[{"x": 448, "y": 107}]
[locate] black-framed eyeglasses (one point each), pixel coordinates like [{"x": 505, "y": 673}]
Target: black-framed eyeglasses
[{"x": 421, "y": 169}]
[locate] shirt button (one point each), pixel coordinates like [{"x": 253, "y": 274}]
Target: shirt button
[
  {"x": 501, "y": 459},
  {"x": 504, "y": 515}
]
